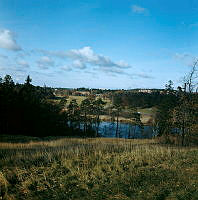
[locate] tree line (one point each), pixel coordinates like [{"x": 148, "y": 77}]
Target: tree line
[
  {"x": 177, "y": 109},
  {"x": 178, "y": 112},
  {"x": 27, "y": 110}
]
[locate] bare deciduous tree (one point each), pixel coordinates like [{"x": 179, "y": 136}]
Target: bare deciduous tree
[{"x": 184, "y": 115}]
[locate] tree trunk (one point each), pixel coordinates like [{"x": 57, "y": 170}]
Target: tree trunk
[
  {"x": 117, "y": 135},
  {"x": 134, "y": 130},
  {"x": 183, "y": 133},
  {"x": 98, "y": 124},
  {"x": 129, "y": 133},
  {"x": 85, "y": 123}
]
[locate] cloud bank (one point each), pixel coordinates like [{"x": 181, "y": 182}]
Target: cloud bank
[
  {"x": 86, "y": 58},
  {"x": 7, "y": 40},
  {"x": 22, "y": 63},
  {"x": 45, "y": 62},
  {"x": 83, "y": 59}
]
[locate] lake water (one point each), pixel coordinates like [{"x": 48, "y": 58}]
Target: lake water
[{"x": 126, "y": 130}]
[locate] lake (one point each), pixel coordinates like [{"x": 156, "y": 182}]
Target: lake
[{"x": 126, "y": 130}]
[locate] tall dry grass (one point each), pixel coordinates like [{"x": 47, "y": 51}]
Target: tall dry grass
[{"x": 101, "y": 168}]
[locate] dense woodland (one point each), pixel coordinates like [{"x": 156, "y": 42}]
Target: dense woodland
[
  {"x": 25, "y": 110},
  {"x": 139, "y": 99},
  {"x": 177, "y": 110}
]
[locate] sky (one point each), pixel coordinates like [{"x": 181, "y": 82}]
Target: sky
[{"x": 110, "y": 44}]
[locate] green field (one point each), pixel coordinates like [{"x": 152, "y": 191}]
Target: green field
[
  {"x": 147, "y": 114},
  {"x": 71, "y": 168},
  {"x": 147, "y": 111},
  {"x": 79, "y": 99}
]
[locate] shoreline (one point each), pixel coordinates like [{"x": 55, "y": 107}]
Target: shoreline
[{"x": 144, "y": 119}]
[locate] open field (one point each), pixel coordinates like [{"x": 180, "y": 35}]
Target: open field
[
  {"x": 147, "y": 111},
  {"x": 147, "y": 114},
  {"x": 101, "y": 168},
  {"x": 79, "y": 99}
]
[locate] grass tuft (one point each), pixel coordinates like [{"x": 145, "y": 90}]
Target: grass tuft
[
  {"x": 3, "y": 187},
  {"x": 100, "y": 168}
]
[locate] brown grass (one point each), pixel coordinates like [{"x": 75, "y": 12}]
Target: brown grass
[{"x": 100, "y": 168}]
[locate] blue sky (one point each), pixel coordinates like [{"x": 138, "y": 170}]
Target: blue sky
[{"x": 98, "y": 44}]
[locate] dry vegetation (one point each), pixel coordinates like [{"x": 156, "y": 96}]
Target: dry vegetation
[{"x": 101, "y": 168}]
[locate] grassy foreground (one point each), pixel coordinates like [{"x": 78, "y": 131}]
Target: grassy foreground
[{"x": 101, "y": 168}]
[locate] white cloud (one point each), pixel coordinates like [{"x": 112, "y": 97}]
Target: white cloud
[
  {"x": 7, "y": 40},
  {"x": 45, "y": 62},
  {"x": 183, "y": 55},
  {"x": 79, "y": 64},
  {"x": 82, "y": 57},
  {"x": 112, "y": 71},
  {"x": 85, "y": 54},
  {"x": 66, "y": 68},
  {"x": 185, "y": 58},
  {"x": 59, "y": 54},
  {"x": 85, "y": 58},
  {"x": 23, "y": 63},
  {"x": 143, "y": 75},
  {"x": 138, "y": 9}
]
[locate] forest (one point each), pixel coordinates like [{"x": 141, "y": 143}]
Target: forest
[{"x": 35, "y": 111}]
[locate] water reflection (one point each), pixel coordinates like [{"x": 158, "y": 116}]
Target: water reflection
[{"x": 126, "y": 130}]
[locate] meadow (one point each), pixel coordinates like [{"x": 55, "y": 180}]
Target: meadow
[
  {"x": 147, "y": 114},
  {"x": 98, "y": 168}
]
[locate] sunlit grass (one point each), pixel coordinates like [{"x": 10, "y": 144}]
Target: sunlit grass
[
  {"x": 147, "y": 111},
  {"x": 100, "y": 168}
]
